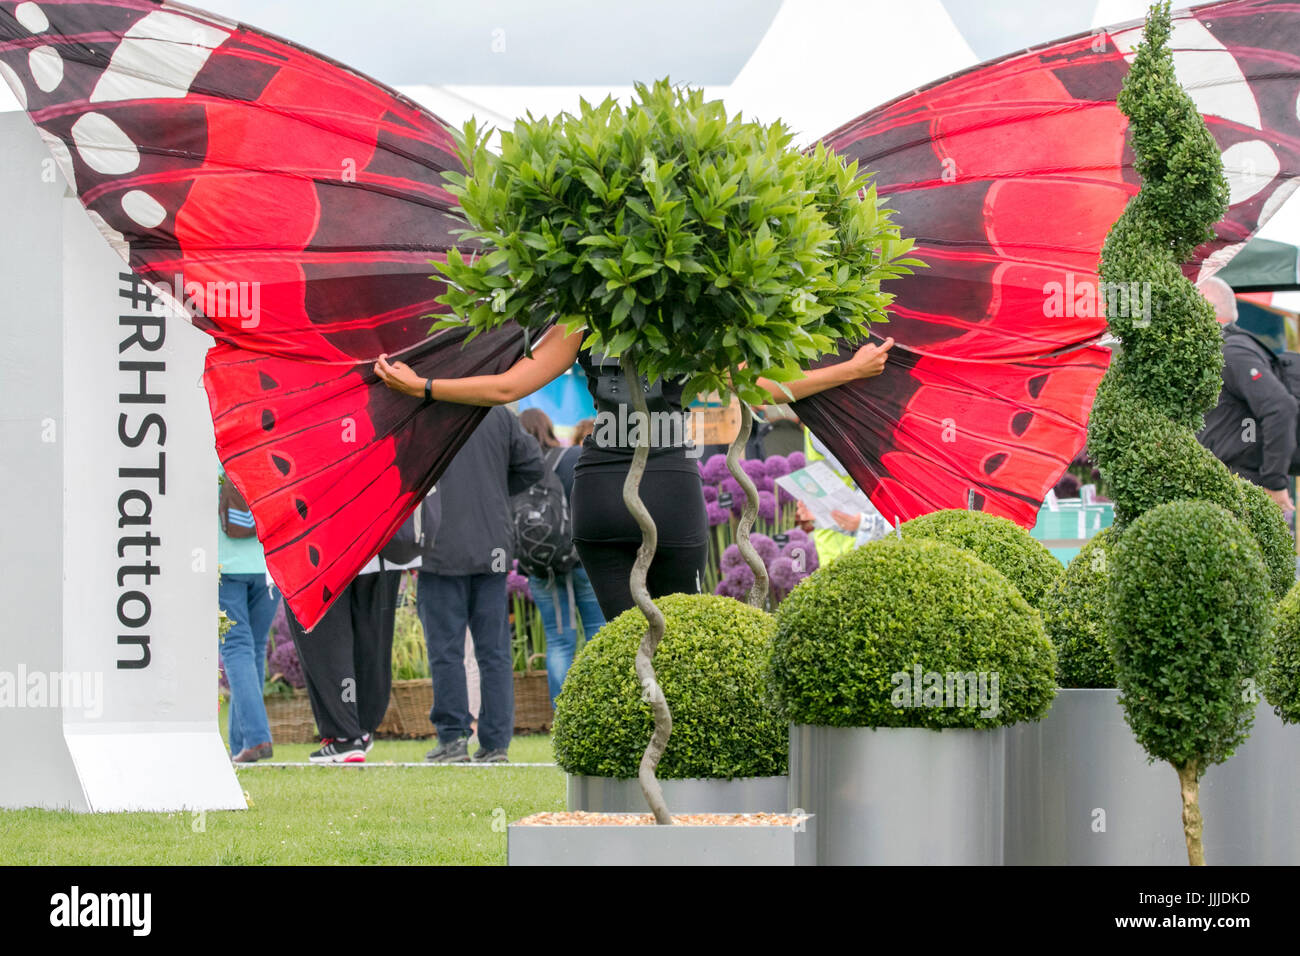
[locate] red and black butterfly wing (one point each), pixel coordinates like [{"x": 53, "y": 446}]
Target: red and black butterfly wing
[
  {"x": 1009, "y": 175},
  {"x": 293, "y": 206}
]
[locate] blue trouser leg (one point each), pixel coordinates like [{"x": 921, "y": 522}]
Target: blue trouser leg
[
  {"x": 489, "y": 625},
  {"x": 443, "y": 602},
  {"x": 243, "y": 655},
  {"x": 562, "y": 642}
]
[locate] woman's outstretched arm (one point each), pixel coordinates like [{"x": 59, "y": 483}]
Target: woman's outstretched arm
[
  {"x": 552, "y": 356},
  {"x": 867, "y": 362}
]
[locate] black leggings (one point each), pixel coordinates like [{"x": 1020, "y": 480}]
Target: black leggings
[{"x": 607, "y": 537}]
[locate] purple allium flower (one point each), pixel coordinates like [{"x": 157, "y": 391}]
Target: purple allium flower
[
  {"x": 1067, "y": 486},
  {"x": 716, "y": 513},
  {"x": 710, "y": 493},
  {"x": 782, "y": 574},
  {"x": 517, "y": 586},
  {"x": 732, "y": 487},
  {"x": 765, "y": 546},
  {"x": 783, "y": 497},
  {"x": 796, "y": 536},
  {"x": 284, "y": 660},
  {"x": 221, "y": 675},
  {"x": 774, "y": 466},
  {"x": 726, "y": 588},
  {"x": 714, "y": 469},
  {"x": 741, "y": 578},
  {"x": 796, "y": 461},
  {"x": 767, "y": 506},
  {"x": 731, "y": 558},
  {"x": 753, "y": 467}
]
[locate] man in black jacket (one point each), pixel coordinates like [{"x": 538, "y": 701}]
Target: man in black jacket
[
  {"x": 463, "y": 583},
  {"x": 1253, "y": 428}
]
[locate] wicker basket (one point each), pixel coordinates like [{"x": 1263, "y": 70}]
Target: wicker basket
[
  {"x": 412, "y": 700},
  {"x": 391, "y": 725},
  {"x": 532, "y": 700},
  {"x": 290, "y": 718}
]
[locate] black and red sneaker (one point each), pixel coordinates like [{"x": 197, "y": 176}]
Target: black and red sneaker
[{"x": 336, "y": 750}]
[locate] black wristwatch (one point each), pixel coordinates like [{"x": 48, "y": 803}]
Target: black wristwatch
[{"x": 428, "y": 390}]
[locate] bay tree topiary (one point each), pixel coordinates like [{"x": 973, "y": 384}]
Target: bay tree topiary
[
  {"x": 996, "y": 541},
  {"x": 1167, "y": 374},
  {"x": 1074, "y": 614},
  {"x": 689, "y": 244},
  {"x": 1189, "y": 620},
  {"x": 1282, "y": 683},
  {"x": 711, "y": 665},
  {"x": 910, "y": 633}
]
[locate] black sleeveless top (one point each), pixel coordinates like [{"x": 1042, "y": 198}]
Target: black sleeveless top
[{"x": 610, "y": 446}]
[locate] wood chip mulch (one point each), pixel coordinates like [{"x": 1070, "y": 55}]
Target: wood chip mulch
[{"x": 585, "y": 818}]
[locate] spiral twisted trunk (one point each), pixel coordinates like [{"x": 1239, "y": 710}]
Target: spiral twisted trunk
[
  {"x": 650, "y": 689},
  {"x": 757, "y": 593}
]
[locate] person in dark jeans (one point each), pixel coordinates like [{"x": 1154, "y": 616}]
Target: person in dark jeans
[
  {"x": 347, "y": 660},
  {"x": 463, "y": 583}
]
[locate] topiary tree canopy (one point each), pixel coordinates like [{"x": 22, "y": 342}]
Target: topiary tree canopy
[
  {"x": 996, "y": 541},
  {"x": 1282, "y": 685},
  {"x": 1189, "y": 620},
  {"x": 904, "y": 633},
  {"x": 1074, "y": 614},
  {"x": 711, "y": 665},
  {"x": 1148, "y": 408}
]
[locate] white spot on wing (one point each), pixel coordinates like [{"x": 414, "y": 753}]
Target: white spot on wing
[
  {"x": 103, "y": 145},
  {"x": 1205, "y": 67},
  {"x": 59, "y": 149},
  {"x": 159, "y": 57},
  {"x": 32, "y": 17},
  {"x": 1248, "y": 167},
  {"x": 47, "y": 67},
  {"x": 15, "y": 83},
  {"x": 143, "y": 209}
]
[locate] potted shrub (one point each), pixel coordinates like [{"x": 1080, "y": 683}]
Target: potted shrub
[
  {"x": 1143, "y": 425},
  {"x": 1189, "y": 619},
  {"x": 689, "y": 245},
  {"x": 996, "y": 541},
  {"x": 728, "y": 748},
  {"x": 898, "y": 667}
]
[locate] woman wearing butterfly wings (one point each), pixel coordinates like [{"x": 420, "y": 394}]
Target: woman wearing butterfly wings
[{"x": 606, "y": 536}]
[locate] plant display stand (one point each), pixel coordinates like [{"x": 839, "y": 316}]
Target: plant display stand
[
  {"x": 696, "y": 795},
  {"x": 901, "y": 795},
  {"x": 681, "y": 845},
  {"x": 290, "y": 718},
  {"x": 532, "y": 702}
]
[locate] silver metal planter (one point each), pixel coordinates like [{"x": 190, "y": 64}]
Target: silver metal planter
[
  {"x": 899, "y": 795},
  {"x": 698, "y": 795},
  {"x": 1080, "y": 791},
  {"x": 662, "y": 846}
]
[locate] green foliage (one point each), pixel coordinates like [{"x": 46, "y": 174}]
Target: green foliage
[
  {"x": 1168, "y": 373},
  {"x": 851, "y": 635},
  {"x": 1282, "y": 685},
  {"x": 1074, "y": 614},
  {"x": 700, "y": 241},
  {"x": 996, "y": 541},
  {"x": 410, "y": 653},
  {"x": 710, "y": 665},
  {"x": 1189, "y": 621}
]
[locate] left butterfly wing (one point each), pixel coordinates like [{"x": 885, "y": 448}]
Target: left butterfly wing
[
  {"x": 1009, "y": 175},
  {"x": 291, "y": 207}
]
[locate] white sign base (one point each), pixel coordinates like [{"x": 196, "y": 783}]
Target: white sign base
[{"x": 108, "y": 559}]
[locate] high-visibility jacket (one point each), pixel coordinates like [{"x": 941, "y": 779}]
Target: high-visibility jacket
[{"x": 830, "y": 542}]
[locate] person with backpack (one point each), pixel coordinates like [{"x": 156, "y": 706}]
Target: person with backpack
[
  {"x": 463, "y": 583},
  {"x": 247, "y": 598},
  {"x": 545, "y": 552}
]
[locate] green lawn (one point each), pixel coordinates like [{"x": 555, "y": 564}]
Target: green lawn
[{"x": 362, "y": 814}]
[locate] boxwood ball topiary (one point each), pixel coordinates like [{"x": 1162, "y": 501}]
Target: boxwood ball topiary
[
  {"x": 1282, "y": 685},
  {"x": 996, "y": 541},
  {"x": 1074, "y": 614},
  {"x": 852, "y": 638},
  {"x": 711, "y": 665},
  {"x": 1189, "y": 620}
]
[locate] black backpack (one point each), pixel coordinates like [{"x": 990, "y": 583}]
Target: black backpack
[
  {"x": 415, "y": 537},
  {"x": 543, "y": 526}
]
